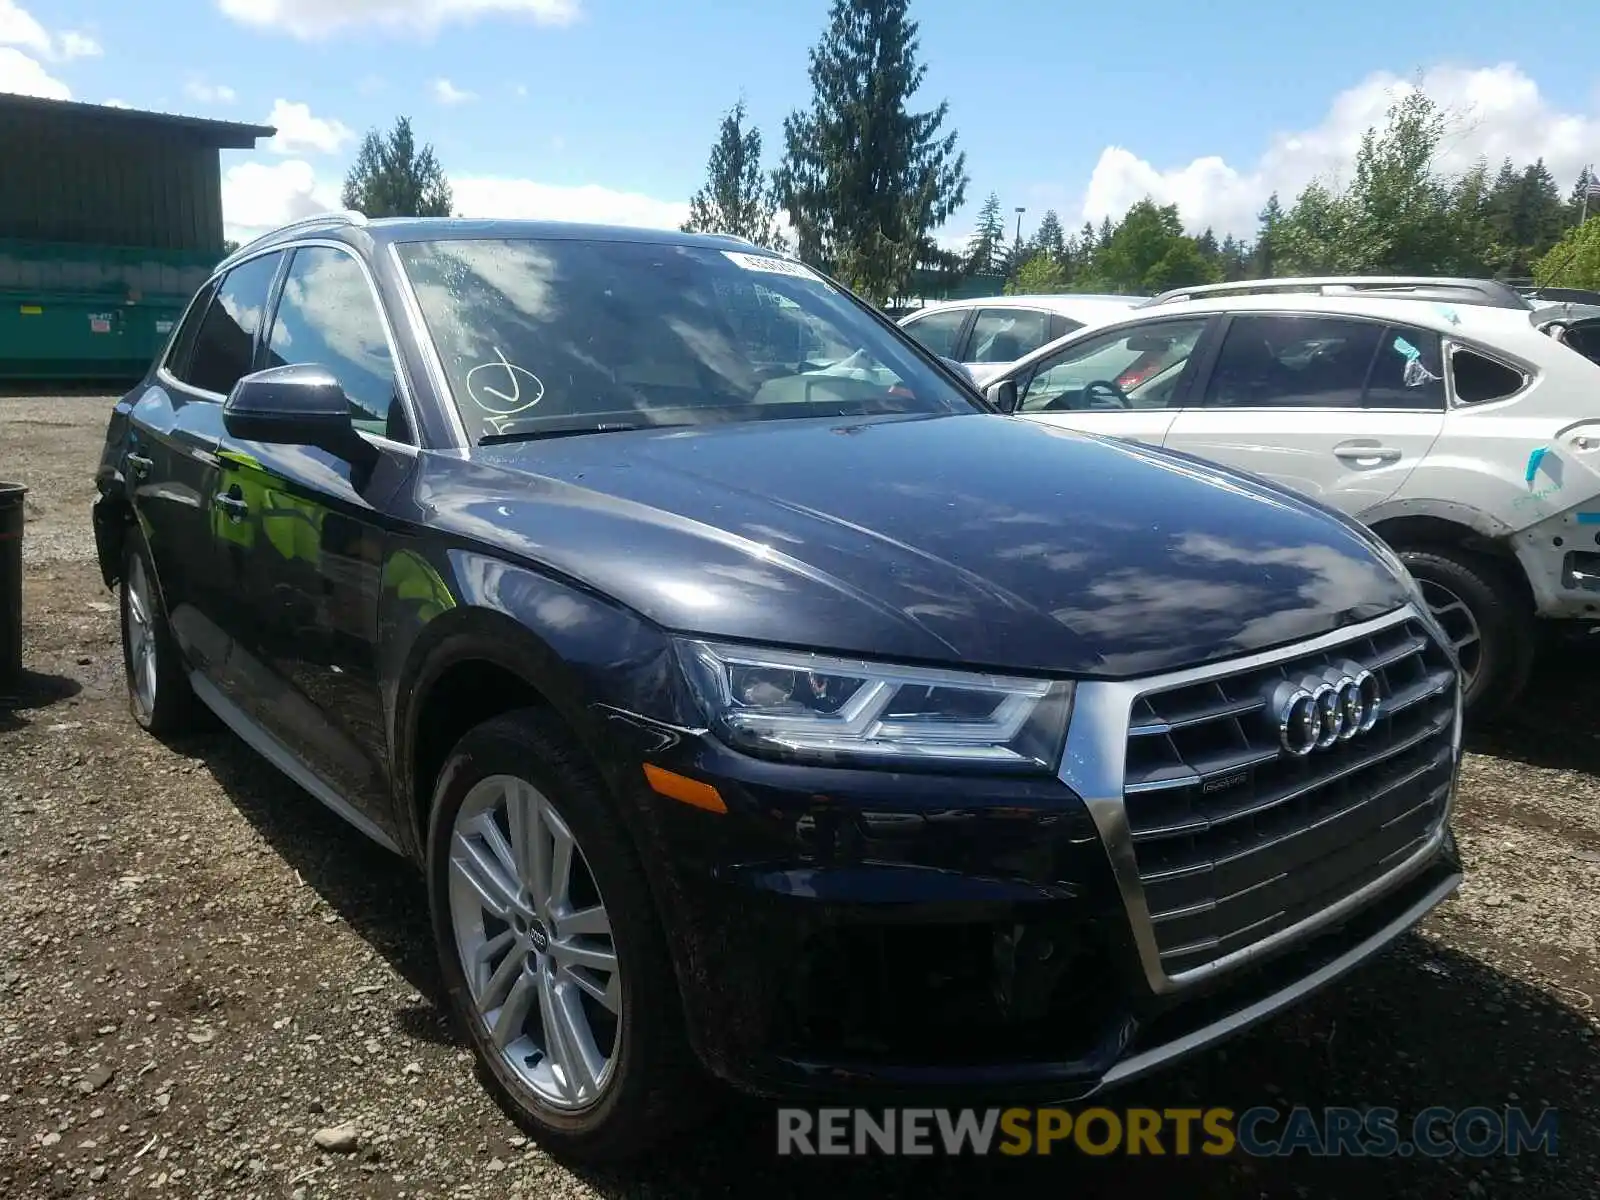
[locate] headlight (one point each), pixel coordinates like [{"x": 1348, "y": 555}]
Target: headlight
[{"x": 793, "y": 705}]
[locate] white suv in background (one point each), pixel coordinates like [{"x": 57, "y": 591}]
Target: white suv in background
[
  {"x": 988, "y": 334},
  {"x": 1458, "y": 422}
]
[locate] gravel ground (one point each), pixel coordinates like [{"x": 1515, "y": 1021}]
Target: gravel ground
[{"x": 200, "y": 968}]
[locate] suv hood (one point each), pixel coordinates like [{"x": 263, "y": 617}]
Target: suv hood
[{"x": 982, "y": 539}]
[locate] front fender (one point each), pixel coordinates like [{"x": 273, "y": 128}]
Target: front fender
[{"x": 587, "y": 657}]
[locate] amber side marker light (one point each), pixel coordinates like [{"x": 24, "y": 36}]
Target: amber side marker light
[{"x": 683, "y": 789}]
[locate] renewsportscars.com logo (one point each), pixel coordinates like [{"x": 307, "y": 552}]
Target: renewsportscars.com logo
[{"x": 1261, "y": 1132}]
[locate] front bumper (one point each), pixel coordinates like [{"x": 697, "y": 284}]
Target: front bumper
[{"x": 852, "y": 932}]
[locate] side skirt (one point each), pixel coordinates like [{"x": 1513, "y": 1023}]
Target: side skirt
[{"x": 280, "y": 756}]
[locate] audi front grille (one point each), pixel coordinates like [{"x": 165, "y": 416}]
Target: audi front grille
[{"x": 1234, "y": 824}]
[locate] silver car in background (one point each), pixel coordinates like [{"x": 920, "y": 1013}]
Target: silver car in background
[{"x": 989, "y": 333}]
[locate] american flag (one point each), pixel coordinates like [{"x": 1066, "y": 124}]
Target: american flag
[{"x": 1592, "y": 192}]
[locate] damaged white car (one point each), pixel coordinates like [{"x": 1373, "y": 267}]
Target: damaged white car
[{"x": 1454, "y": 418}]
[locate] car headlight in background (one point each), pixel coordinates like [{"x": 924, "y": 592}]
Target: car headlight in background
[{"x": 788, "y": 704}]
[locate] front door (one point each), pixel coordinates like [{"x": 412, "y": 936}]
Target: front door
[
  {"x": 1125, "y": 383},
  {"x": 1339, "y": 408},
  {"x": 308, "y": 534}
]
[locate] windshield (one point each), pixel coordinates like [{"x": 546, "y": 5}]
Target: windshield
[{"x": 546, "y": 337}]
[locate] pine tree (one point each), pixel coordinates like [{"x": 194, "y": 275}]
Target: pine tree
[
  {"x": 736, "y": 198},
  {"x": 1271, "y": 217},
  {"x": 1048, "y": 238},
  {"x": 865, "y": 181},
  {"x": 1502, "y": 202},
  {"x": 1542, "y": 212},
  {"x": 1575, "y": 202},
  {"x": 392, "y": 178},
  {"x": 1233, "y": 259},
  {"x": 1477, "y": 248},
  {"x": 986, "y": 247}
]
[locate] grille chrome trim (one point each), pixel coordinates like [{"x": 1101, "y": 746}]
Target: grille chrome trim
[{"x": 1093, "y": 765}]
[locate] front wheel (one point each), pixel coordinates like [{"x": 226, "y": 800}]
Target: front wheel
[
  {"x": 550, "y": 946},
  {"x": 1486, "y": 620}
]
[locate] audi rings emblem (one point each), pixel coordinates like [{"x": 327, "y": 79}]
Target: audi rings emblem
[{"x": 1315, "y": 711}]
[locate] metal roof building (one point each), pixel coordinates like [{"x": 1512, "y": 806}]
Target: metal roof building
[{"x": 109, "y": 219}]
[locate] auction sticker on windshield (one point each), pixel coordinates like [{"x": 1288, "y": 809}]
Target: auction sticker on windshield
[{"x": 775, "y": 266}]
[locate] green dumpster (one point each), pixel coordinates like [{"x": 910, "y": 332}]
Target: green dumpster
[{"x": 88, "y": 312}]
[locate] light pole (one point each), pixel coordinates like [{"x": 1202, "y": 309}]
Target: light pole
[{"x": 1020, "y": 211}]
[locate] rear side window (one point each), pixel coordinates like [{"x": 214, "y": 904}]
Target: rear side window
[
  {"x": 1002, "y": 335},
  {"x": 1281, "y": 360},
  {"x": 939, "y": 331},
  {"x": 1061, "y": 326},
  {"x": 1406, "y": 372},
  {"x": 1480, "y": 379},
  {"x": 224, "y": 345},
  {"x": 183, "y": 344}
]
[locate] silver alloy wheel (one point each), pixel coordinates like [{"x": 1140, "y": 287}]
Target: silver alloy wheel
[
  {"x": 1459, "y": 625},
  {"x": 535, "y": 942},
  {"x": 141, "y": 636}
]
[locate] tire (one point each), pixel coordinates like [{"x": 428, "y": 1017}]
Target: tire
[
  {"x": 159, "y": 695},
  {"x": 1496, "y": 668},
  {"x": 650, "y": 1085}
]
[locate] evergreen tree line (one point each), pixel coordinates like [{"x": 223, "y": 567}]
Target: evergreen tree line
[{"x": 865, "y": 184}]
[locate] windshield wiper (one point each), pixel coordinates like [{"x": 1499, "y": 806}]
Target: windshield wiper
[{"x": 539, "y": 435}]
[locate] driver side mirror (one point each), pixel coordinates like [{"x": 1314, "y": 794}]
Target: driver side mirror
[
  {"x": 1003, "y": 395},
  {"x": 300, "y": 404}
]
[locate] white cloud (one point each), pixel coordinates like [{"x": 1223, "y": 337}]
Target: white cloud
[
  {"x": 79, "y": 45},
  {"x": 319, "y": 18},
  {"x": 446, "y": 92},
  {"x": 1498, "y": 112},
  {"x": 488, "y": 196},
  {"x": 205, "y": 93},
  {"x": 18, "y": 28},
  {"x": 301, "y": 133},
  {"x": 257, "y": 197},
  {"x": 24, "y": 76}
]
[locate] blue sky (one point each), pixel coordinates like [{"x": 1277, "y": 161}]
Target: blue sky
[{"x": 572, "y": 108}]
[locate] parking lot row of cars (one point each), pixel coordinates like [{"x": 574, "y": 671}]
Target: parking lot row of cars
[{"x": 1454, "y": 417}]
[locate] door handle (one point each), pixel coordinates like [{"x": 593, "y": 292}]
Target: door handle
[
  {"x": 141, "y": 465},
  {"x": 232, "y": 504},
  {"x": 1366, "y": 452}
]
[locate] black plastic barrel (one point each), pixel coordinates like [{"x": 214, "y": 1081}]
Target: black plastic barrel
[{"x": 11, "y": 521}]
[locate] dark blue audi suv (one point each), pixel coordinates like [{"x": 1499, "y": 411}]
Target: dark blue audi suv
[{"x": 758, "y": 703}]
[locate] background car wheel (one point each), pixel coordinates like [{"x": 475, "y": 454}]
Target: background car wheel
[
  {"x": 1486, "y": 619},
  {"x": 158, "y": 687},
  {"x": 551, "y": 950}
]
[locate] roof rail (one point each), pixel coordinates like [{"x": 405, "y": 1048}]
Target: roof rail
[
  {"x": 1488, "y": 292},
  {"x": 342, "y": 216}
]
